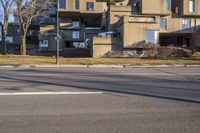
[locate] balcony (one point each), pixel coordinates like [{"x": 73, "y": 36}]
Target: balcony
[{"x": 83, "y": 7}]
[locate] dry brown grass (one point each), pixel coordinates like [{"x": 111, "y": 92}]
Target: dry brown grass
[{"x": 17, "y": 60}]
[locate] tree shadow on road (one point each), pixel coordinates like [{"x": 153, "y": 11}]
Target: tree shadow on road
[{"x": 109, "y": 89}]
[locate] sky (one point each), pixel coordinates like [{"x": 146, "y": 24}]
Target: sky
[{"x": 11, "y": 18}]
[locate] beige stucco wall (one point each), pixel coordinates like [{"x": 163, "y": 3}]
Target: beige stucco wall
[
  {"x": 101, "y": 46},
  {"x": 174, "y": 24},
  {"x": 115, "y": 14},
  {"x": 154, "y": 7},
  {"x": 134, "y": 32}
]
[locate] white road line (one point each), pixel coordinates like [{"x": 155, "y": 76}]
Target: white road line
[{"x": 49, "y": 93}]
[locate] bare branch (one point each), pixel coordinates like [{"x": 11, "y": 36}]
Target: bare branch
[{"x": 28, "y": 10}]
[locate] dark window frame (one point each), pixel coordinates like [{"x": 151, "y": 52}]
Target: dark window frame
[
  {"x": 193, "y": 7},
  {"x": 77, "y": 4},
  {"x": 90, "y": 6},
  {"x": 168, "y": 5},
  {"x": 62, "y": 4},
  {"x": 163, "y": 23}
]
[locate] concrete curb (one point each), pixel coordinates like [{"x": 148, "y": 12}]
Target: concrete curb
[
  {"x": 6, "y": 66},
  {"x": 192, "y": 65},
  {"x": 105, "y": 66},
  {"x": 60, "y": 66},
  {"x": 149, "y": 66},
  {"x": 96, "y": 66}
]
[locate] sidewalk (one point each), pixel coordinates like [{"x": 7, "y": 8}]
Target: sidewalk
[{"x": 95, "y": 66}]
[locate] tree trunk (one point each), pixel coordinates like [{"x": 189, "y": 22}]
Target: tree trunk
[
  {"x": 4, "y": 43},
  {"x": 23, "y": 46},
  {"x": 5, "y": 28}
]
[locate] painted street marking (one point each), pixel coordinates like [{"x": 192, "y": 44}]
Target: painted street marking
[{"x": 49, "y": 93}]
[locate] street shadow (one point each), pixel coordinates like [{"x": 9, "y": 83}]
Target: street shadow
[{"x": 111, "y": 89}]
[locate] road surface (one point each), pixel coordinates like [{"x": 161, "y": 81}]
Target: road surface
[{"x": 100, "y": 100}]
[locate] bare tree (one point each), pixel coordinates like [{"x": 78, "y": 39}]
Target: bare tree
[
  {"x": 7, "y": 6},
  {"x": 27, "y": 11}
]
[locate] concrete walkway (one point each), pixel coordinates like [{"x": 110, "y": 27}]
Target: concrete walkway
[{"x": 95, "y": 66}]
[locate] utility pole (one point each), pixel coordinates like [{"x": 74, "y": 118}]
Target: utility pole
[
  {"x": 3, "y": 35},
  {"x": 5, "y": 43},
  {"x": 58, "y": 35},
  {"x": 1, "y": 32}
]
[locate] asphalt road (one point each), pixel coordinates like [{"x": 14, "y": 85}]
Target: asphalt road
[{"x": 142, "y": 100}]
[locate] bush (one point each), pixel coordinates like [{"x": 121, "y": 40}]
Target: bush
[
  {"x": 170, "y": 51},
  {"x": 150, "y": 50}
]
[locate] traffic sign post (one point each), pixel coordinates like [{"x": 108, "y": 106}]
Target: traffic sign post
[
  {"x": 1, "y": 33},
  {"x": 58, "y": 35}
]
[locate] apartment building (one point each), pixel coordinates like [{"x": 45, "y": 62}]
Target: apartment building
[
  {"x": 79, "y": 20},
  {"x": 136, "y": 22},
  {"x": 97, "y": 27},
  {"x": 13, "y": 39}
]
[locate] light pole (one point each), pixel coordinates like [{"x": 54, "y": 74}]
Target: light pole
[
  {"x": 1, "y": 33},
  {"x": 5, "y": 43},
  {"x": 58, "y": 35}
]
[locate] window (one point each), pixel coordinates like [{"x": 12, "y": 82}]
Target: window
[
  {"x": 192, "y": 6},
  {"x": 31, "y": 32},
  {"x": 90, "y": 6},
  {"x": 163, "y": 23},
  {"x": 75, "y": 35},
  {"x": 168, "y": 5},
  {"x": 76, "y": 24},
  {"x": 43, "y": 44},
  {"x": 77, "y": 6},
  {"x": 152, "y": 36},
  {"x": 41, "y": 19},
  {"x": 9, "y": 39},
  {"x": 62, "y": 4},
  {"x": 69, "y": 44},
  {"x": 186, "y": 24},
  {"x": 79, "y": 45},
  {"x": 52, "y": 10}
]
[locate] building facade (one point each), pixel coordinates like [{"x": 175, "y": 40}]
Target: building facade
[
  {"x": 13, "y": 39},
  {"x": 164, "y": 22},
  {"x": 80, "y": 21},
  {"x": 93, "y": 28}
]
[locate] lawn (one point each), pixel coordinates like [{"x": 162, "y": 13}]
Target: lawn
[{"x": 17, "y": 60}]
